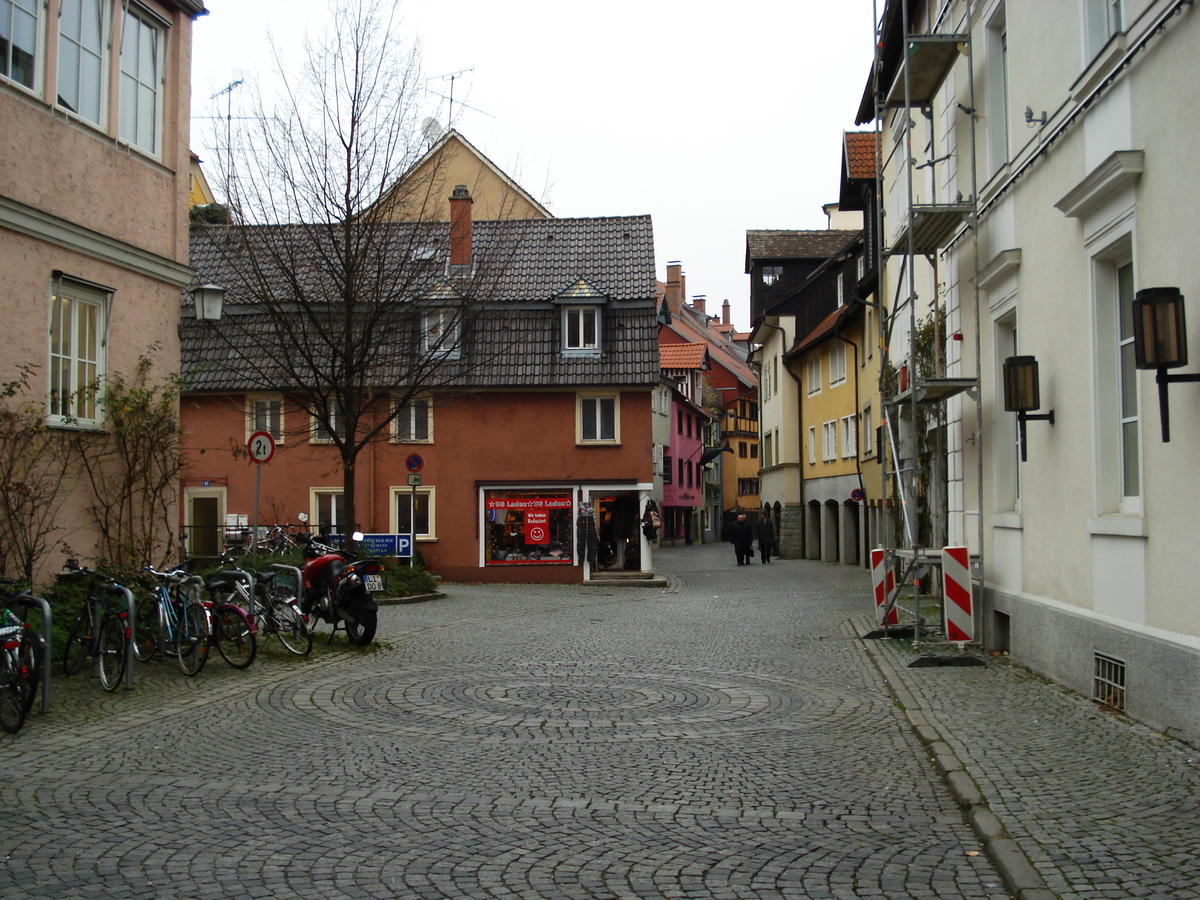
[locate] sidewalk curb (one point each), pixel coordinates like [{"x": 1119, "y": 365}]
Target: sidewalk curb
[{"x": 1019, "y": 875}]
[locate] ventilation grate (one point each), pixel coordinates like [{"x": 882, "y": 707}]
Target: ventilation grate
[{"x": 1108, "y": 682}]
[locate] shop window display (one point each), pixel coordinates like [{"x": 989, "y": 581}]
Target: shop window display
[{"x": 528, "y": 527}]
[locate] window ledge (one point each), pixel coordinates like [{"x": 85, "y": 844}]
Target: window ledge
[
  {"x": 581, "y": 354},
  {"x": 1012, "y": 520},
  {"x": 1098, "y": 69},
  {"x": 1121, "y": 170},
  {"x": 1117, "y": 526}
]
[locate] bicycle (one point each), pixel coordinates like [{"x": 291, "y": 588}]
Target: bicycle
[
  {"x": 99, "y": 632},
  {"x": 21, "y": 670},
  {"x": 172, "y": 616},
  {"x": 277, "y": 612},
  {"x": 232, "y": 629},
  {"x": 277, "y": 540}
]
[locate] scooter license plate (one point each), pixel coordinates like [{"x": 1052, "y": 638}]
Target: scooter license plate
[{"x": 374, "y": 583}]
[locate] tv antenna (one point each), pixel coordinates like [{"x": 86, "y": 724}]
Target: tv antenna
[{"x": 452, "y": 77}]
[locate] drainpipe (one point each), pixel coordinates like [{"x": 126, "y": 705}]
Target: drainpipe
[{"x": 857, "y": 456}]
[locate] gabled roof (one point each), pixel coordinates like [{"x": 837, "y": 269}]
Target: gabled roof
[
  {"x": 830, "y": 324},
  {"x": 859, "y": 164},
  {"x": 795, "y": 245},
  {"x": 580, "y": 291},
  {"x": 683, "y": 356}
]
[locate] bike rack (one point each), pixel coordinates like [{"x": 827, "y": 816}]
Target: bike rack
[
  {"x": 47, "y": 650},
  {"x": 294, "y": 572}
]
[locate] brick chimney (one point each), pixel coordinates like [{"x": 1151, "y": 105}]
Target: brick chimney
[
  {"x": 675, "y": 287},
  {"x": 460, "y": 226},
  {"x": 699, "y": 302},
  {"x": 725, "y": 313}
]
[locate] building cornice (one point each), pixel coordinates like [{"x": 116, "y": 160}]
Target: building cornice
[{"x": 43, "y": 226}]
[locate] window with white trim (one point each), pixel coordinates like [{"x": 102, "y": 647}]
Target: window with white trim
[
  {"x": 414, "y": 423},
  {"x": 868, "y": 432},
  {"x": 837, "y": 364},
  {"x": 329, "y": 510},
  {"x": 598, "y": 419},
  {"x": 18, "y": 41},
  {"x": 265, "y": 413},
  {"x": 812, "y": 373},
  {"x": 419, "y": 508},
  {"x": 322, "y": 431},
  {"x": 1101, "y": 20},
  {"x": 441, "y": 333},
  {"x": 829, "y": 438},
  {"x": 78, "y": 320},
  {"x": 768, "y": 450},
  {"x": 83, "y": 57},
  {"x": 143, "y": 45},
  {"x": 581, "y": 330},
  {"x": 849, "y": 436},
  {"x": 812, "y": 445},
  {"x": 996, "y": 117},
  {"x": 1119, "y": 435}
]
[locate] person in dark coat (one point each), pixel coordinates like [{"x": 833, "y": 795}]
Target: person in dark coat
[
  {"x": 743, "y": 540},
  {"x": 765, "y": 532}
]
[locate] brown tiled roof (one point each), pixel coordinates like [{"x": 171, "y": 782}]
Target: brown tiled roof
[
  {"x": 518, "y": 343},
  {"x": 827, "y": 326},
  {"x": 683, "y": 356},
  {"x": 860, "y": 154},
  {"x": 796, "y": 244}
]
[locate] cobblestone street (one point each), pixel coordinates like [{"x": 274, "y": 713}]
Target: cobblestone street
[{"x": 728, "y": 736}]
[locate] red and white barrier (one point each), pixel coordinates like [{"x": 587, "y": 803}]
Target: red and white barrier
[
  {"x": 884, "y": 581},
  {"x": 959, "y": 607}
]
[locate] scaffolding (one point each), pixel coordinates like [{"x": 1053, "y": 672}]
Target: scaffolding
[{"x": 911, "y": 66}]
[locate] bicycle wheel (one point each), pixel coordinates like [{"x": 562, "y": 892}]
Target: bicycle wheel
[
  {"x": 191, "y": 638},
  {"x": 12, "y": 693},
  {"x": 31, "y": 665},
  {"x": 146, "y": 628},
  {"x": 110, "y": 651},
  {"x": 79, "y": 642},
  {"x": 234, "y": 636},
  {"x": 290, "y": 627}
]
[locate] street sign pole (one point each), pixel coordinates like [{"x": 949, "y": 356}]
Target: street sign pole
[{"x": 261, "y": 448}]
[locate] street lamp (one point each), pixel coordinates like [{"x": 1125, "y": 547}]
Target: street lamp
[
  {"x": 1022, "y": 393},
  {"x": 209, "y": 300},
  {"x": 1160, "y": 342}
]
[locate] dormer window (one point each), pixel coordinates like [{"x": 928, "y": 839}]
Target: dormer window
[
  {"x": 581, "y": 330},
  {"x": 441, "y": 333}
]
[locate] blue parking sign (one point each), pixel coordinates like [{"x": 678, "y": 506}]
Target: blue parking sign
[{"x": 404, "y": 545}]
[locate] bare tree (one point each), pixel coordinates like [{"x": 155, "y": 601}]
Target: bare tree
[{"x": 331, "y": 302}]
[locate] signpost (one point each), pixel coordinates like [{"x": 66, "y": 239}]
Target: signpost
[
  {"x": 261, "y": 448},
  {"x": 414, "y": 463}
]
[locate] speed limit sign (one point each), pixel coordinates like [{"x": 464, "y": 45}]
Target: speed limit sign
[{"x": 261, "y": 446}]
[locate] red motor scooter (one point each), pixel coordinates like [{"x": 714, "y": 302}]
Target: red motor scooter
[{"x": 339, "y": 589}]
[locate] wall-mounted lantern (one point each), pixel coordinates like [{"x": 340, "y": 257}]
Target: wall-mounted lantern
[
  {"x": 1160, "y": 342},
  {"x": 1022, "y": 394},
  {"x": 209, "y": 300}
]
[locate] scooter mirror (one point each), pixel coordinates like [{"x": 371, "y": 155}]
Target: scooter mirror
[
  {"x": 357, "y": 537},
  {"x": 303, "y": 518}
]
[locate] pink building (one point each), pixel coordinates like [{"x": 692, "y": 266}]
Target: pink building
[{"x": 94, "y": 101}]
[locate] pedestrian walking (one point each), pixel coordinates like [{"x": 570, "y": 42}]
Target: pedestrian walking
[
  {"x": 765, "y": 532},
  {"x": 743, "y": 540}
]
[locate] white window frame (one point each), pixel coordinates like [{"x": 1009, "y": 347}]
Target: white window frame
[
  {"x": 408, "y": 417},
  {"x": 829, "y": 441},
  {"x": 812, "y": 445},
  {"x": 1119, "y": 424},
  {"x": 837, "y": 364},
  {"x": 253, "y": 418},
  {"x": 997, "y": 104},
  {"x": 868, "y": 432},
  {"x": 71, "y": 372},
  {"x": 841, "y": 289},
  {"x": 18, "y": 11},
  {"x": 849, "y": 436},
  {"x": 338, "y": 506},
  {"x": 144, "y": 88},
  {"x": 1102, "y": 20},
  {"x": 589, "y": 406},
  {"x": 319, "y": 434},
  {"x": 433, "y": 323},
  {"x": 429, "y": 491},
  {"x": 74, "y": 47},
  {"x": 578, "y": 345},
  {"x": 812, "y": 373}
]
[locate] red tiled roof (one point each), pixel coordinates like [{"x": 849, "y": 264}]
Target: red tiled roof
[
  {"x": 683, "y": 356},
  {"x": 860, "y": 154}
]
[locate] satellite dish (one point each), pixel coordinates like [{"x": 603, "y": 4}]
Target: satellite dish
[{"x": 432, "y": 129}]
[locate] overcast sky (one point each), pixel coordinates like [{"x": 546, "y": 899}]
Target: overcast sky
[{"x": 713, "y": 122}]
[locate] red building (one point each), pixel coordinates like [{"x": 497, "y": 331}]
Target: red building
[{"x": 533, "y": 456}]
